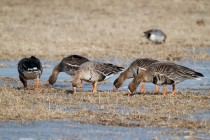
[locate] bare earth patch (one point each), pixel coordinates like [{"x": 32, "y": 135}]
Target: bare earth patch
[{"x": 106, "y": 108}]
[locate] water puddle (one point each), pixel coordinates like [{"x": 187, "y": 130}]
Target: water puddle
[
  {"x": 60, "y": 129},
  {"x": 204, "y": 115}
]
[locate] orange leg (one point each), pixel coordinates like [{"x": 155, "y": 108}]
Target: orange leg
[
  {"x": 81, "y": 85},
  {"x": 94, "y": 87},
  {"x": 156, "y": 89},
  {"x": 173, "y": 89},
  {"x": 164, "y": 89},
  {"x": 37, "y": 84},
  {"x": 142, "y": 87}
]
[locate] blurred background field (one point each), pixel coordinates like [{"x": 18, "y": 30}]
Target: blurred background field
[{"x": 103, "y": 28}]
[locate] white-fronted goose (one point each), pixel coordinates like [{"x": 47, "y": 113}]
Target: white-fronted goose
[
  {"x": 164, "y": 73},
  {"x": 69, "y": 65},
  {"x": 136, "y": 67},
  {"x": 94, "y": 72}
]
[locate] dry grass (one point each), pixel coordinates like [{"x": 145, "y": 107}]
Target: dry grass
[
  {"x": 103, "y": 28},
  {"x": 106, "y": 108}
]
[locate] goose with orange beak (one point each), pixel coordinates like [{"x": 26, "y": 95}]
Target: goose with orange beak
[
  {"x": 94, "y": 72},
  {"x": 164, "y": 73}
]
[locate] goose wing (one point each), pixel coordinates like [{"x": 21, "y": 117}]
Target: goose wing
[
  {"x": 107, "y": 69},
  {"x": 74, "y": 60},
  {"x": 140, "y": 65},
  {"x": 29, "y": 64},
  {"x": 72, "y": 63},
  {"x": 168, "y": 72}
]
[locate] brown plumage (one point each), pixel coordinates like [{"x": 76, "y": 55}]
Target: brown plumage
[
  {"x": 94, "y": 72},
  {"x": 164, "y": 74},
  {"x": 136, "y": 67},
  {"x": 69, "y": 65}
]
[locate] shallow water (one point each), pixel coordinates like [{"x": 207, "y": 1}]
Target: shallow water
[
  {"x": 58, "y": 129},
  {"x": 65, "y": 129},
  {"x": 64, "y": 79}
]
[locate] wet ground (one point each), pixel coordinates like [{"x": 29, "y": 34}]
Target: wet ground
[
  {"x": 58, "y": 129},
  {"x": 9, "y": 70}
]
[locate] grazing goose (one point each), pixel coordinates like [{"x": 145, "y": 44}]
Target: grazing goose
[
  {"x": 69, "y": 65},
  {"x": 164, "y": 74},
  {"x": 28, "y": 69},
  {"x": 94, "y": 72},
  {"x": 136, "y": 67},
  {"x": 155, "y": 35}
]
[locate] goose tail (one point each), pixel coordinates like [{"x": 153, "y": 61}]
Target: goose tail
[{"x": 198, "y": 75}]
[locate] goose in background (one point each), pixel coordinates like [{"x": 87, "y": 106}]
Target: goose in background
[{"x": 155, "y": 35}]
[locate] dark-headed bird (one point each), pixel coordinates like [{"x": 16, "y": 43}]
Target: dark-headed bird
[
  {"x": 155, "y": 35},
  {"x": 29, "y": 69}
]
